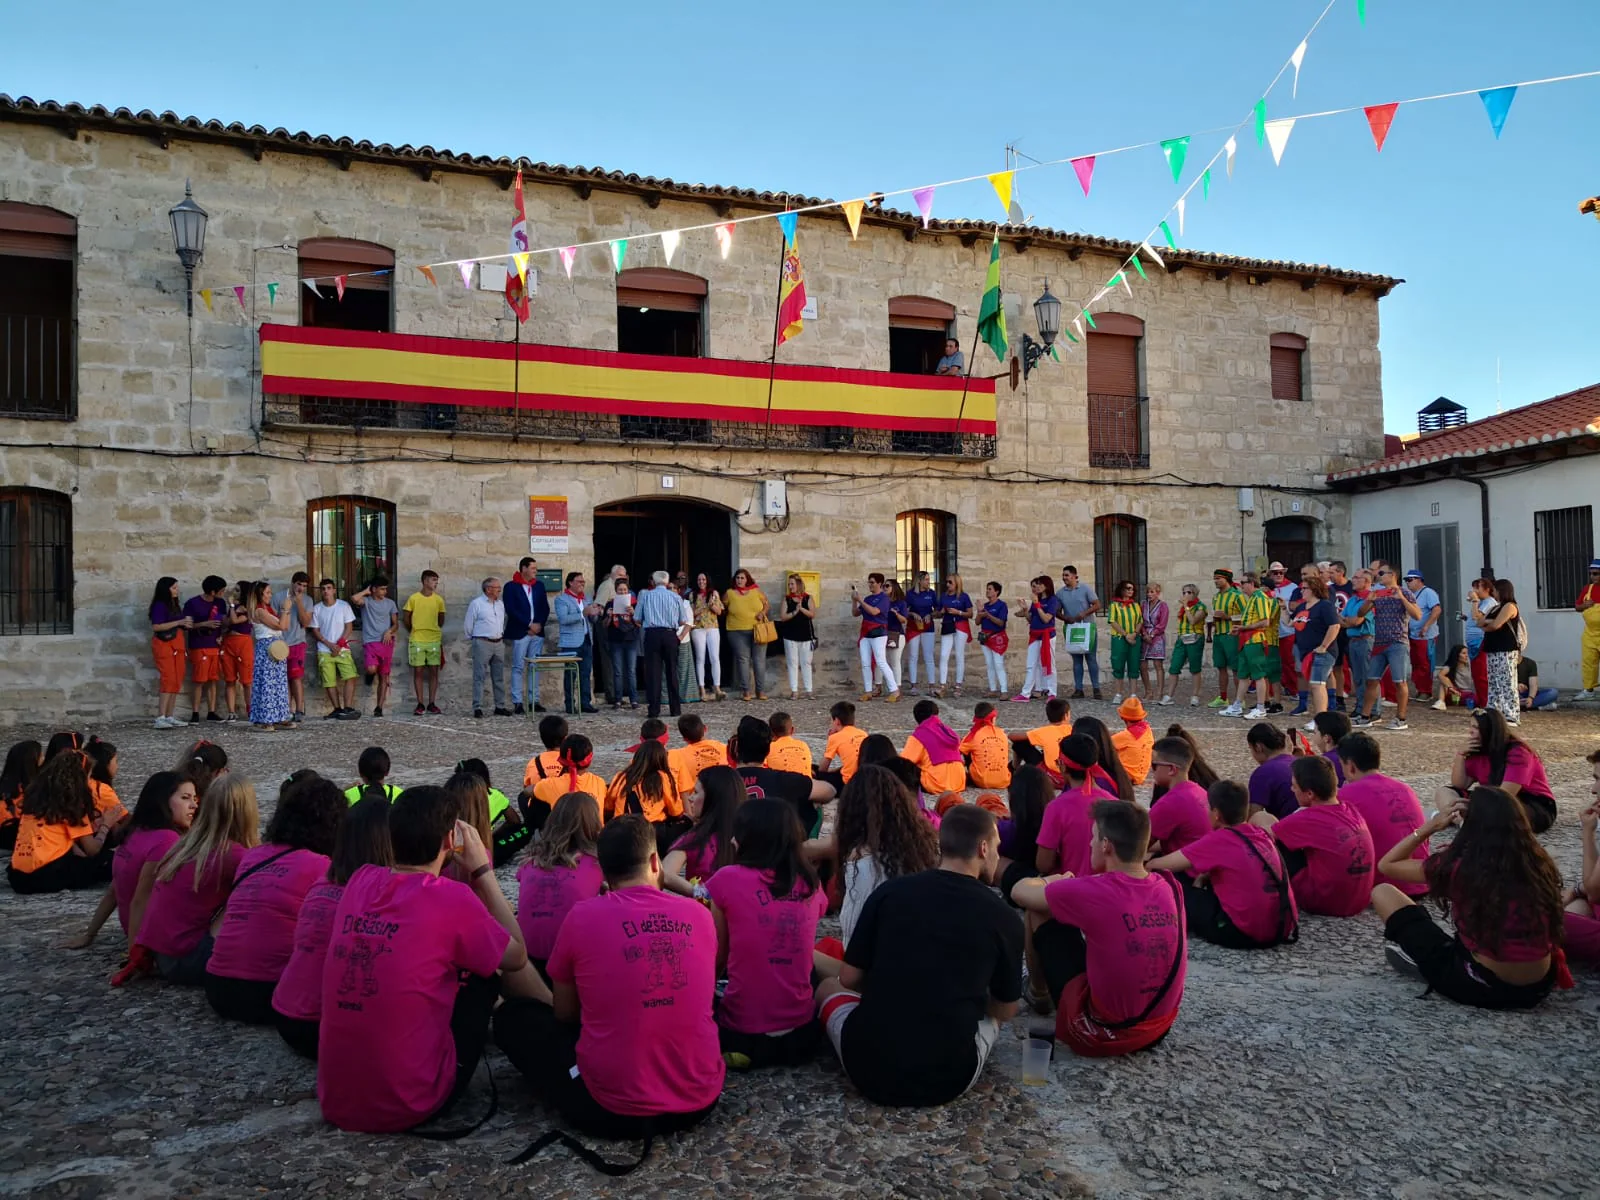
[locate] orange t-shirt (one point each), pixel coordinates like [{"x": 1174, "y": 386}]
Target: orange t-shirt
[
  {"x": 11, "y": 807},
  {"x": 845, "y": 745},
  {"x": 552, "y": 789},
  {"x": 990, "y": 751},
  {"x": 1135, "y": 752},
  {"x": 655, "y": 811},
  {"x": 39, "y": 843},
  {"x": 686, "y": 762},
  {"x": 541, "y": 766},
  {"x": 936, "y": 780},
  {"x": 106, "y": 800},
  {"x": 1048, "y": 739},
  {"x": 789, "y": 754}
]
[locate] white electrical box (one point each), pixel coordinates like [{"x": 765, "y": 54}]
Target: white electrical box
[
  {"x": 1247, "y": 499},
  {"x": 774, "y": 498}
]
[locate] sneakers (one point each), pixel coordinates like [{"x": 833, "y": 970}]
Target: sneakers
[
  {"x": 478, "y": 713},
  {"x": 347, "y": 714},
  {"x": 1165, "y": 701},
  {"x": 213, "y": 716},
  {"x": 1309, "y": 727},
  {"x": 418, "y": 711},
  {"x": 1437, "y": 705},
  {"x": 168, "y": 723},
  {"x": 1551, "y": 707},
  {"x": 1219, "y": 702},
  {"x": 517, "y": 710},
  {"x": 1396, "y": 724},
  {"x": 435, "y": 711},
  {"x": 1021, "y": 699},
  {"x": 1097, "y": 695},
  {"x": 377, "y": 710},
  {"x": 1587, "y": 694},
  {"x": 1233, "y": 710},
  {"x": 194, "y": 719},
  {"x": 1117, "y": 699},
  {"x": 1256, "y": 713},
  {"x": 736, "y": 1061},
  {"x": 1274, "y": 709},
  {"x": 1360, "y": 722},
  {"x": 1402, "y": 962},
  {"x": 1194, "y": 701}
]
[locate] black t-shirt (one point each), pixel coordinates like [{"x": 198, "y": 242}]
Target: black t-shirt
[
  {"x": 765, "y": 783},
  {"x": 936, "y": 946},
  {"x": 792, "y": 626}
]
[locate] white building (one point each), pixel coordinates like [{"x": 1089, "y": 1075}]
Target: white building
[{"x": 1513, "y": 496}]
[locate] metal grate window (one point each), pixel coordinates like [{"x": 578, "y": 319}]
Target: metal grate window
[
  {"x": 35, "y": 562},
  {"x": 1381, "y": 543},
  {"x": 925, "y": 540},
  {"x": 349, "y": 539},
  {"x": 1119, "y": 554},
  {"x": 1563, "y": 544}
]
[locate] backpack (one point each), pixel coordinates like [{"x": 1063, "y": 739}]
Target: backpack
[{"x": 1522, "y": 633}]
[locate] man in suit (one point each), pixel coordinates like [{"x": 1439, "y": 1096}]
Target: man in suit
[{"x": 527, "y": 610}]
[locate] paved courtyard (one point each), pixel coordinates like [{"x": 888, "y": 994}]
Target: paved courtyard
[{"x": 1309, "y": 1070}]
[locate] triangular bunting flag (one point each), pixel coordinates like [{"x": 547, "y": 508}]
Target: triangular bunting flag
[
  {"x": 1089, "y": 317},
  {"x": 1001, "y": 181},
  {"x": 1139, "y": 267},
  {"x": 466, "y": 272},
  {"x": 1181, "y": 206},
  {"x": 1166, "y": 232},
  {"x": 1151, "y": 251},
  {"x": 669, "y": 244},
  {"x": 238, "y": 293},
  {"x": 1084, "y": 167},
  {"x": 522, "y": 266},
  {"x": 1077, "y": 323},
  {"x": 1120, "y": 279},
  {"x": 338, "y": 285},
  {"x": 312, "y": 284},
  {"x": 272, "y": 294},
  {"x": 924, "y": 199},
  {"x": 619, "y": 249},
  {"x": 786, "y": 222},
  {"x": 1053, "y": 353},
  {"x": 205, "y": 294},
  {"x": 1379, "y": 118},
  {"x": 1361, "y": 11},
  {"x": 427, "y": 273},
  {"x": 1231, "y": 146},
  {"x": 1298, "y": 57},
  {"x": 852, "y": 216},
  {"x": 1497, "y": 103},
  {"x": 1067, "y": 333},
  {"x": 1261, "y": 120},
  {"x": 1176, "y": 150},
  {"x": 568, "y": 253},
  {"x": 724, "y": 237},
  {"x": 1278, "y": 137}
]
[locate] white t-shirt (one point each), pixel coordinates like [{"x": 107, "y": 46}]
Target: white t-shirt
[
  {"x": 330, "y": 620},
  {"x": 861, "y": 878}
]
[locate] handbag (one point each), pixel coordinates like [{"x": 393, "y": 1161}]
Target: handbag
[
  {"x": 765, "y": 631},
  {"x": 278, "y": 650}
]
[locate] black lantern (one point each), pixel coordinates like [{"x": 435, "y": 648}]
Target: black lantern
[
  {"x": 1047, "y": 312},
  {"x": 188, "y": 238}
]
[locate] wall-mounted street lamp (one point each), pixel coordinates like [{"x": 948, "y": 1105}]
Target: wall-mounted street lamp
[
  {"x": 1047, "y": 312},
  {"x": 188, "y": 238}
]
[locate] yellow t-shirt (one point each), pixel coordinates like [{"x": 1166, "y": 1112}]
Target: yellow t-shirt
[
  {"x": 1048, "y": 739},
  {"x": 789, "y": 754},
  {"x": 743, "y": 607},
  {"x": 1226, "y": 608},
  {"x": 845, "y": 745},
  {"x": 1125, "y": 617},
  {"x": 1261, "y": 605},
  {"x": 936, "y": 780},
  {"x": 552, "y": 789},
  {"x": 39, "y": 843},
  {"x": 686, "y": 762},
  {"x": 427, "y": 618},
  {"x": 990, "y": 750}
]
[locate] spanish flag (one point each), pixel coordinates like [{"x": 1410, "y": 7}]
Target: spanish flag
[{"x": 791, "y": 294}]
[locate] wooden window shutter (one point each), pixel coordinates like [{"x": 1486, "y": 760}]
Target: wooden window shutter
[
  {"x": 920, "y": 312},
  {"x": 659, "y": 287},
  {"x": 323, "y": 258},
  {"x": 1113, "y": 364},
  {"x": 28, "y": 231},
  {"x": 1288, "y": 356}
]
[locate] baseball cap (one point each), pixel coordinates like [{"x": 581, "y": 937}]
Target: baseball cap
[
  {"x": 1595, "y": 565},
  {"x": 1277, "y": 566},
  {"x": 1413, "y": 574}
]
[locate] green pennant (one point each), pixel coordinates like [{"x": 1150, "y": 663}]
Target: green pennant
[
  {"x": 1116, "y": 280},
  {"x": 272, "y": 295},
  {"x": 1361, "y": 11},
  {"x": 1067, "y": 333},
  {"x": 1139, "y": 267},
  {"x": 1205, "y": 185},
  {"x": 991, "y": 312},
  {"x": 1166, "y": 232},
  {"x": 618, "y": 249},
  {"x": 1053, "y": 353},
  {"x": 1089, "y": 317},
  {"x": 1261, "y": 121},
  {"x": 1176, "y": 150}
]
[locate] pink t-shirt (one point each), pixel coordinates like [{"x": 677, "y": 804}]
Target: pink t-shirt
[
  {"x": 769, "y": 950},
  {"x": 699, "y": 863},
  {"x": 546, "y": 895},
  {"x": 1246, "y": 893},
  {"x": 1392, "y": 813},
  {"x": 1067, "y": 828},
  {"x": 299, "y": 990},
  {"x": 645, "y": 963},
  {"x": 127, "y": 864},
  {"x": 1338, "y": 875},
  {"x": 386, "y": 1060},
  {"x": 1180, "y": 817},
  {"x": 257, "y": 933},
  {"x": 1133, "y": 929},
  {"x": 178, "y": 915},
  {"x": 1523, "y": 768}
]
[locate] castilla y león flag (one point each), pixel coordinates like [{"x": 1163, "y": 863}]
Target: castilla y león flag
[{"x": 516, "y": 285}]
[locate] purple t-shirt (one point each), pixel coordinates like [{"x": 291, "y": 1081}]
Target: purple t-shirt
[
  {"x": 202, "y": 609},
  {"x": 1270, "y": 786},
  {"x": 163, "y": 612}
]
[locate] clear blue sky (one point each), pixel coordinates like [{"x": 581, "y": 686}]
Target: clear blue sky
[{"x": 837, "y": 99}]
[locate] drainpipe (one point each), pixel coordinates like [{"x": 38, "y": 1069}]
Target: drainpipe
[{"x": 1483, "y": 505}]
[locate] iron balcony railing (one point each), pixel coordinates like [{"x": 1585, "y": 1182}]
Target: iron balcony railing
[
  {"x": 1119, "y": 431},
  {"x": 38, "y": 366}
]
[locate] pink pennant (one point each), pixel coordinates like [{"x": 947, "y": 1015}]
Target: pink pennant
[
  {"x": 466, "y": 272},
  {"x": 1085, "y": 169},
  {"x": 568, "y": 253},
  {"x": 338, "y": 285},
  {"x": 924, "y": 199},
  {"x": 238, "y": 294},
  {"x": 1379, "y": 118}
]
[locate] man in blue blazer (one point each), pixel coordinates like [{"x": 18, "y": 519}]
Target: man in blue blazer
[{"x": 527, "y": 610}]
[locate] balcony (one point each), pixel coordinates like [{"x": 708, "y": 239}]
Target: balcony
[
  {"x": 38, "y": 371},
  {"x": 314, "y": 377},
  {"x": 1119, "y": 432}
]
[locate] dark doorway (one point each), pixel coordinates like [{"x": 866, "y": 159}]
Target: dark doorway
[
  {"x": 1289, "y": 541},
  {"x": 664, "y": 535},
  {"x": 915, "y": 351}
]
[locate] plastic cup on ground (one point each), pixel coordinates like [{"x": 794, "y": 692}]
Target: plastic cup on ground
[{"x": 1036, "y": 1062}]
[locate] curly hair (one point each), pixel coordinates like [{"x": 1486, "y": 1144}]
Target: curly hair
[
  {"x": 308, "y": 816},
  {"x": 878, "y": 816},
  {"x": 59, "y": 793},
  {"x": 571, "y": 829},
  {"x": 1495, "y": 872},
  {"x": 1200, "y": 771},
  {"x": 1108, "y": 761}
]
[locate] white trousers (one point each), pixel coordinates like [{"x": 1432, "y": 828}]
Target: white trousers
[
  {"x": 798, "y": 656},
  {"x": 958, "y": 642},
  {"x": 707, "y": 645},
  {"x": 995, "y": 664},
  {"x": 922, "y": 648},
  {"x": 874, "y": 653},
  {"x": 1037, "y": 678}
]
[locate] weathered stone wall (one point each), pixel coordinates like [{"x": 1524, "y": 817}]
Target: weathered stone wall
[{"x": 161, "y": 485}]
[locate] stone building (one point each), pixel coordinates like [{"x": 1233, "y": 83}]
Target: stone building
[{"x": 140, "y": 443}]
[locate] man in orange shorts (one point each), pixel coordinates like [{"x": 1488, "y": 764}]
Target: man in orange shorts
[{"x": 207, "y": 611}]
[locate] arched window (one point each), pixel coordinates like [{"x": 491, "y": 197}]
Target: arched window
[
  {"x": 349, "y": 539},
  {"x": 38, "y": 336},
  {"x": 1119, "y": 420},
  {"x": 1288, "y": 366},
  {"x": 925, "y": 540},
  {"x": 1119, "y": 553},
  {"x": 918, "y": 327},
  {"x": 35, "y": 561}
]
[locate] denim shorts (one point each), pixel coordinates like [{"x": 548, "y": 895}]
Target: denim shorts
[
  {"x": 1396, "y": 656},
  {"x": 1321, "y": 665}
]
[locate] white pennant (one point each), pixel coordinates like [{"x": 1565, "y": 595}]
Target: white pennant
[
  {"x": 1298, "y": 57},
  {"x": 1077, "y": 323},
  {"x": 466, "y": 273},
  {"x": 1232, "y": 147},
  {"x": 1181, "y": 202},
  {"x": 312, "y": 284},
  {"x": 1124, "y": 274},
  {"x": 669, "y": 244},
  {"x": 1151, "y": 251},
  {"x": 1278, "y": 137}
]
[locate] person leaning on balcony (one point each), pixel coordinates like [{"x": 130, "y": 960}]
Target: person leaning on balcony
[
  {"x": 744, "y": 602},
  {"x": 953, "y": 362}
]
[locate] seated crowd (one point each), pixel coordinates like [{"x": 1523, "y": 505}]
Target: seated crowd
[{"x": 666, "y": 922}]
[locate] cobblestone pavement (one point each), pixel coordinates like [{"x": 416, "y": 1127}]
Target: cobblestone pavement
[{"x": 1309, "y": 1070}]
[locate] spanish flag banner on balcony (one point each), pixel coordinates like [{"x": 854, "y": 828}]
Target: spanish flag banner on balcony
[{"x": 408, "y": 369}]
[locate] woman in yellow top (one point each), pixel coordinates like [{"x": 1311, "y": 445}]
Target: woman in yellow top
[
  {"x": 744, "y": 603},
  {"x": 1126, "y": 618},
  {"x": 706, "y": 637}
]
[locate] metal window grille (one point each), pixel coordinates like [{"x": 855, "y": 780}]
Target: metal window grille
[
  {"x": 1563, "y": 541},
  {"x": 349, "y": 539},
  {"x": 1119, "y": 553},
  {"x": 35, "y": 562},
  {"x": 1381, "y": 543},
  {"x": 1119, "y": 431},
  {"x": 925, "y": 540}
]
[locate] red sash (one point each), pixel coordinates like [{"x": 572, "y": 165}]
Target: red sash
[
  {"x": 964, "y": 626},
  {"x": 1046, "y": 655},
  {"x": 997, "y": 641}
]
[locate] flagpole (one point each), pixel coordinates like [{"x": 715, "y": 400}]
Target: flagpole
[
  {"x": 777, "y": 315},
  {"x": 516, "y": 374},
  {"x": 966, "y": 379}
]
